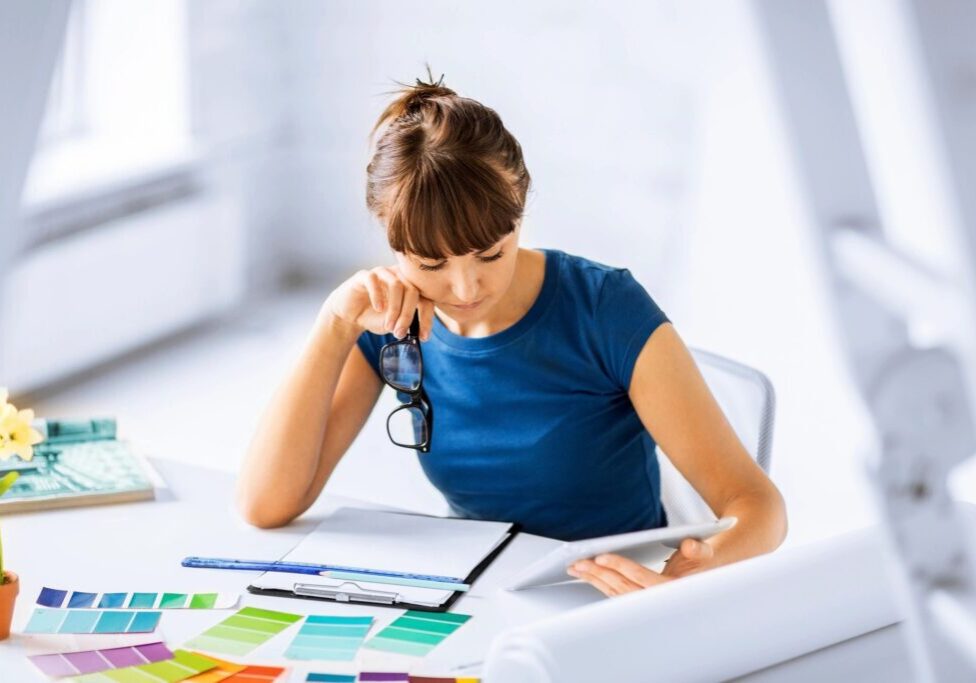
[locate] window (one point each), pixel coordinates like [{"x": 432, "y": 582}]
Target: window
[
  {"x": 117, "y": 108},
  {"x": 65, "y": 117}
]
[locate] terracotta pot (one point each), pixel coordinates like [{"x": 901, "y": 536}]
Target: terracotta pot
[{"x": 8, "y": 595}]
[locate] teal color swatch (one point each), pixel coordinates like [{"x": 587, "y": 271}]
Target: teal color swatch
[
  {"x": 91, "y": 621},
  {"x": 114, "y": 622},
  {"x": 417, "y": 633},
  {"x": 329, "y": 638},
  {"x": 142, "y": 601}
]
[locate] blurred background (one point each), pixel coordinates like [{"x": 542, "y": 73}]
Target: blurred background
[{"x": 197, "y": 190}]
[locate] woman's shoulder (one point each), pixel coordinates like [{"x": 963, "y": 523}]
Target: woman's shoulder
[{"x": 589, "y": 281}]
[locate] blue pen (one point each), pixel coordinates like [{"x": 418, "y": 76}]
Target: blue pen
[{"x": 309, "y": 568}]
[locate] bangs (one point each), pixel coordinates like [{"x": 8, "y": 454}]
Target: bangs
[{"x": 451, "y": 207}]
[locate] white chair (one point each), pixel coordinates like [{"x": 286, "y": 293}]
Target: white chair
[{"x": 747, "y": 398}]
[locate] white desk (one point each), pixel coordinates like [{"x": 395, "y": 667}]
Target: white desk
[{"x": 139, "y": 547}]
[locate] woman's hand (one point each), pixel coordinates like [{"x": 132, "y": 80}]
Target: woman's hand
[
  {"x": 616, "y": 575},
  {"x": 380, "y": 300}
]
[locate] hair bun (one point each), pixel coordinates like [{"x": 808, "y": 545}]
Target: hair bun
[
  {"x": 415, "y": 96},
  {"x": 410, "y": 99}
]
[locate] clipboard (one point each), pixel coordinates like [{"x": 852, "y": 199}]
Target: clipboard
[{"x": 372, "y": 524}]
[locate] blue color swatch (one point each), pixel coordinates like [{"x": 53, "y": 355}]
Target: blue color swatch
[
  {"x": 51, "y": 597},
  {"x": 78, "y": 599}
]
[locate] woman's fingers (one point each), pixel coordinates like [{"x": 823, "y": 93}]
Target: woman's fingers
[
  {"x": 632, "y": 571},
  {"x": 393, "y": 294},
  {"x": 426, "y": 307},
  {"x": 594, "y": 581},
  {"x": 411, "y": 298},
  {"x": 606, "y": 580},
  {"x": 375, "y": 289}
]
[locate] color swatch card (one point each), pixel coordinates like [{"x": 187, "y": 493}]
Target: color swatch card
[
  {"x": 384, "y": 676},
  {"x": 329, "y": 638},
  {"x": 416, "y": 633},
  {"x": 55, "y": 597},
  {"x": 90, "y": 661},
  {"x": 91, "y": 621},
  {"x": 182, "y": 666},
  {"x": 237, "y": 673},
  {"x": 257, "y": 674},
  {"x": 330, "y": 678},
  {"x": 244, "y": 631}
]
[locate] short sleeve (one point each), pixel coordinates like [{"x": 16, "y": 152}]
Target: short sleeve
[
  {"x": 370, "y": 344},
  {"x": 626, "y": 316}
]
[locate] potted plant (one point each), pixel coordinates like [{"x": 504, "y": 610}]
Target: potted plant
[{"x": 17, "y": 437}]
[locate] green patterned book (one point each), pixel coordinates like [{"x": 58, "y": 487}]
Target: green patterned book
[{"x": 78, "y": 473}]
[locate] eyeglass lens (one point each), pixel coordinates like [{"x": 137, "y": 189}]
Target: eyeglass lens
[
  {"x": 408, "y": 427},
  {"x": 401, "y": 366}
]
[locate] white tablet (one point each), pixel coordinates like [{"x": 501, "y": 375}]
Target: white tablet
[{"x": 653, "y": 545}]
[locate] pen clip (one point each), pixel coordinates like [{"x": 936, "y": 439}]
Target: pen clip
[{"x": 336, "y": 593}]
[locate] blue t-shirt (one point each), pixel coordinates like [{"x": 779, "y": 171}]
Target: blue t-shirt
[{"x": 533, "y": 424}]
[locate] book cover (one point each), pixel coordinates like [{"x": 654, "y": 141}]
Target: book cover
[{"x": 75, "y": 474}]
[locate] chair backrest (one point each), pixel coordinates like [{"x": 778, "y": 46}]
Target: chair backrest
[{"x": 747, "y": 398}]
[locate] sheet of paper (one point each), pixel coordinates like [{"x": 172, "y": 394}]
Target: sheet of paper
[{"x": 400, "y": 542}]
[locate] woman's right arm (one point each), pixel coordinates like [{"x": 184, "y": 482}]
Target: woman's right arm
[{"x": 325, "y": 400}]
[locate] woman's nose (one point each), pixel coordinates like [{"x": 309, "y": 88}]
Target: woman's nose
[{"x": 465, "y": 288}]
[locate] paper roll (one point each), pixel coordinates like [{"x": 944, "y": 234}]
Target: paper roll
[{"x": 715, "y": 625}]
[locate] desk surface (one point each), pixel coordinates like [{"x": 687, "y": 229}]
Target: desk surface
[{"x": 139, "y": 547}]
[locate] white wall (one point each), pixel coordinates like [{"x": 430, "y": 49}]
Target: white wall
[{"x": 599, "y": 95}]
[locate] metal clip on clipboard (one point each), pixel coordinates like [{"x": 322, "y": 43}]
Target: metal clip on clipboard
[{"x": 317, "y": 591}]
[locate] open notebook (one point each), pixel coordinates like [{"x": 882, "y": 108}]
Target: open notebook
[{"x": 390, "y": 542}]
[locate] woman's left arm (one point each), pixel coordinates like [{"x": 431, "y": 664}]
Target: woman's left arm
[{"x": 677, "y": 408}]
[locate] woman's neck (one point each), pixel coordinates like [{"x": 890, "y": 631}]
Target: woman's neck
[{"x": 530, "y": 271}]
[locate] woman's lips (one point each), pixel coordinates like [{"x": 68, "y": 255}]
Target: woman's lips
[{"x": 467, "y": 307}]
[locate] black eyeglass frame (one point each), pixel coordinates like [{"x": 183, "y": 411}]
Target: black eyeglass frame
[{"x": 418, "y": 397}]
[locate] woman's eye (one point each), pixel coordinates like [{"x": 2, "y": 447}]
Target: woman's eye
[
  {"x": 436, "y": 266},
  {"x": 493, "y": 257}
]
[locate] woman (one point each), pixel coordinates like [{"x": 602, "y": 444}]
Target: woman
[{"x": 551, "y": 377}]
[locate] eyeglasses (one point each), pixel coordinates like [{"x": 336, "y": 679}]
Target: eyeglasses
[{"x": 402, "y": 367}]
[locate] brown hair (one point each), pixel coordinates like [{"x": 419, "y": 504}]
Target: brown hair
[{"x": 446, "y": 177}]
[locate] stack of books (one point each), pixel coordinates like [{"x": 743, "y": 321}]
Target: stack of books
[{"x": 80, "y": 462}]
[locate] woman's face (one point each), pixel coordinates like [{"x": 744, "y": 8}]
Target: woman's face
[{"x": 465, "y": 287}]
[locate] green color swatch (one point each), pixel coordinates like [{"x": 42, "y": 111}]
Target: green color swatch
[
  {"x": 172, "y": 600},
  {"x": 183, "y": 665},
  {"x": 203, "y": 601},
  {"x": 417, "y": 633},
  {"x": 243, "y": 631}
]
